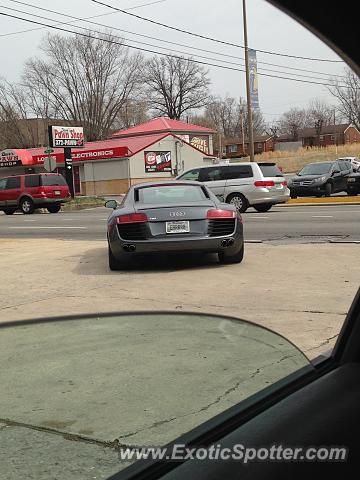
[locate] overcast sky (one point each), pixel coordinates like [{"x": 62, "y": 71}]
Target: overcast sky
[{"x": 268, "y": 29}]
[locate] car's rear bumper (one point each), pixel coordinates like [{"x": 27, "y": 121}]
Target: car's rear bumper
[
  {"x": 120, "y": 247},
  {"x": 50, "y": 201},
  {"x": 270, "y": 198},
  {"x": 307, "y": 191}
]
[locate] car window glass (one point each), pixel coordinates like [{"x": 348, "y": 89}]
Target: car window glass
[
  {"x": 2, "y": 183},
  {"x": 170, "y": 194},
  {"x": 13, "y": 182},
  {"x": 270, "y": 170},
  {"x": 238, "y": 171},
  {"x": 52, "y": 180},
  {"x": 344, "y": 165},
  {"x": 211, "y": 174},
  {"x": 193, "y": 175},
  {"x": 32, "y": 181}
]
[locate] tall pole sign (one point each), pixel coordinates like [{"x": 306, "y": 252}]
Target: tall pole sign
[
  {"x": 248, "y": 88},
  {"x": 67, "y": 138}
]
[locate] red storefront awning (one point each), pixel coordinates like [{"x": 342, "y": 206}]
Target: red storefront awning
[{"x": 15, "y": 157}]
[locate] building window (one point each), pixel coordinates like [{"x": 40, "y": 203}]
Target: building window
[
  {"x": 332, "y": 137},
  {"x": 232, "y": 148},
  {"x": 321, "y": 137},
  {"x": 260, "y": 146}
]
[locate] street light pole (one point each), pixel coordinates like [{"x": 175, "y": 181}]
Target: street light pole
[{"x": 248, "y": 96}]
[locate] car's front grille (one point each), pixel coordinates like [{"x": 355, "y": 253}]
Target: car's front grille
[
  {"x": 133, "y": 231},
  {"x": 302, "y": 183},
  {"x": 221, "y": 227}
]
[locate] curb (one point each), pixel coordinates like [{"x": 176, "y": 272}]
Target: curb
[{"x": 81, "y": 206}]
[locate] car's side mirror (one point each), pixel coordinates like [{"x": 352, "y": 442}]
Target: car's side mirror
[
  {"x": 335, "y": 172},
  {"x": 111, "y": 204}
]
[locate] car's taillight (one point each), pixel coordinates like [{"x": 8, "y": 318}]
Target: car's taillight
[
  {"x": 284, "y": 183},
  {"x": 132, "y": 218},
  {"x": 214, "y": 214},
  {"x": 264, "y": 183}
]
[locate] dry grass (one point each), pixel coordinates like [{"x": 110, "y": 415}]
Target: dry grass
[{"x": 351, "y": 150}]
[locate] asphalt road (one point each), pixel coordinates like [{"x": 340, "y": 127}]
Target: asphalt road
[{"x": 281, "y": 224}]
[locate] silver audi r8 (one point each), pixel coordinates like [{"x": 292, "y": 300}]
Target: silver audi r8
[{"x": 171, "y": 217}]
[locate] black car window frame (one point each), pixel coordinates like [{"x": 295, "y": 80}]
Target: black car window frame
[
  {"x": 204, "y": 175},
  {"x": 32, "y": 179},
  {"x": 15, "y": 180},
  {"x": 246, "y": 169}
]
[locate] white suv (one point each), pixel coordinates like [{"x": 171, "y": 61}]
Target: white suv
[
  {"x": 259, "y": 185},
  {"x": 355, "y": 162}
]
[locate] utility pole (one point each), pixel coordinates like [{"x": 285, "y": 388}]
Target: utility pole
[
  {"x": 248, "y": 96},
  {"x": 242, "y": 128},
  {"x": 220, "y": 145},
  {"x": 335, "y": 135}
]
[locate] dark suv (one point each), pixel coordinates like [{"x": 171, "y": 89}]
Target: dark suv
[
  {"x": 318, "y": 179},
  {"x": 28, "y": 192}
]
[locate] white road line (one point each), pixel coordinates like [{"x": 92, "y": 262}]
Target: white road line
[
  {"x": 322, "y": 216},
  {"x": 29, "y": 220},
  {"x": 37, "y": 228},
  {"x": 256, "y": 216}
]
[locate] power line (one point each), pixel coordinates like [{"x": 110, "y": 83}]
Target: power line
[
  {"x": 164, "y": 48},
  {"x": 160, "y": 53},
  {"x": 209, "y": 38},
  {"x": 80, "y": 19}
]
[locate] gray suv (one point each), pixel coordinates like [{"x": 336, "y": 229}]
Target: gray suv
[{"x": 246, "y": 184}]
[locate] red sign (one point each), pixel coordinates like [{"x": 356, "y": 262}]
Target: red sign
[
  {"x": 157, "y": 162},
  {"x": 83, "y": 155}
]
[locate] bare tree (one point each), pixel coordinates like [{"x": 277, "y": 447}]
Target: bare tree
[
  {"x": 273, "y": 129},
  {"x": 230, "y": 117},
  {"x": 175, "y": 86},
  {"x": 132, "y": 113},
  {"x": 348, "y": 97},
  {"x": 320, "y": 114},
  {"x": 83, "y": 80},
  {"x": 293, "y": 121}
]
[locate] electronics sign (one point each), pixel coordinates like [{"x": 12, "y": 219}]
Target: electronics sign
[{"x": 157, "y": 162}]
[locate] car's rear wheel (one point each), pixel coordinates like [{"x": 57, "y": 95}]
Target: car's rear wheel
[
  {"x": 54, "y": 208},
  {"x": 9, "y": 211},
  {"x": 239, "y": 201},
  {"x": 263, "y": 207},
  {"x": 351, "y": 193},
  {"x": 293, "y": 195},
  {"x": 328, "y": 190},
  {"x": 27, "y": 205},
  {"x": 224, "y": 258},
  {"x": 114, "y": 263}
]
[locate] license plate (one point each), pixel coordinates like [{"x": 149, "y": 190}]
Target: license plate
[
  {"x": 351, "y": 179},
  {"x": 57, "y": 192},
  {"x": 181, "y": 226}
]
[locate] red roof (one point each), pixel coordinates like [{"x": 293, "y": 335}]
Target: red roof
[{"x": 162, "y": 125}]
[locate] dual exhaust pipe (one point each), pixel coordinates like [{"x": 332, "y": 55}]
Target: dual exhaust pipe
[
  {"x": 228, "y": 242},
  {"x": 129, "y": 248}
]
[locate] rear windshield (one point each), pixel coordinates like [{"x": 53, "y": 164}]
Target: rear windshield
[
  {"x": 169, "y": 194},
  {"x": 270, "y": 170},
  {"x": 52, "y": 180},
  {"x": 316, "y": 169}
]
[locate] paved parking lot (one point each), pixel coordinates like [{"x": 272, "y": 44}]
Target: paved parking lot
[{"x": 301, "y": 290}]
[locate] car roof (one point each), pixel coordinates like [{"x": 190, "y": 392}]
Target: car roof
[{"x": 167, "y": 182}]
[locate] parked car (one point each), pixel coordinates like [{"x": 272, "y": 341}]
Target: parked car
[
  {"x": 28, "y": 192},
  {"x": 246, "y": 184},
  {"x": 353, "y": 184},
  {"x": 173, "y": 217},
  {"x": 320, "y": 179},
  {"x": 355, "y": 162}
]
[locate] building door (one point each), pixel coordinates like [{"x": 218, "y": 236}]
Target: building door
[{"x": 76, "y": 173}]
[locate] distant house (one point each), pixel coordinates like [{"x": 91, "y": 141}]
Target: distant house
[
  {"x": 236, "y": 148},
  {"x": 311, "y": 137},
  {"x": 330, "y": 135}
]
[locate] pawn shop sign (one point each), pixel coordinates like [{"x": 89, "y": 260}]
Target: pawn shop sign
[{"x": 66, "y": 137}]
